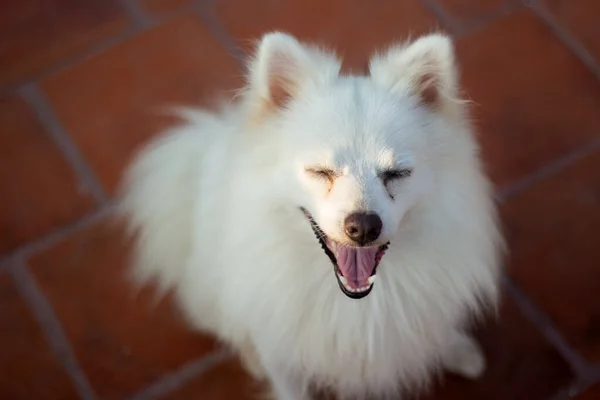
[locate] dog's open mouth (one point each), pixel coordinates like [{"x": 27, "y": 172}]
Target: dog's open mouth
[{"x": 355, "y": 267}]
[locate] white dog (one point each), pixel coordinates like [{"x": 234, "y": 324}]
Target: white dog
[{"x": 384, "y": 171}]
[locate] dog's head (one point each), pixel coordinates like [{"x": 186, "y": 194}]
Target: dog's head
[{"x": 363, "y": 149}]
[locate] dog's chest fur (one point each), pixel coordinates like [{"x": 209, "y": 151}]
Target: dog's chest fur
[{"x": 292, "y": 309}]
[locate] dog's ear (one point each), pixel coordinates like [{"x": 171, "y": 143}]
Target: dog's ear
[
  {"x": 425, "y": 68},
  {"x": 281, "y": 66}
]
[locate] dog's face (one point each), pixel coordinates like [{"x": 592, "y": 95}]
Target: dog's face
[{"x": 362, "y": 148}]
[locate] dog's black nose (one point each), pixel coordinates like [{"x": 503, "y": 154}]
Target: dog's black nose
[{"x": 363, "y": 227}]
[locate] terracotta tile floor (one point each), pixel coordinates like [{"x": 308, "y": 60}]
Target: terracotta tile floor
[{"x": 82, "y": 85}]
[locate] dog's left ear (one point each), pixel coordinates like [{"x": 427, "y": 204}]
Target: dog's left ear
[{"x": 425, "y": 68}]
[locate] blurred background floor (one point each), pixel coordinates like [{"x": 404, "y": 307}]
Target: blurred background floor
[{"x": 82, "y": 84}]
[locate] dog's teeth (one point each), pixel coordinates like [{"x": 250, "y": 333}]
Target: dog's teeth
[
  {"x": 357, "y": 290},
  {"x": 371, "y": 279},
  {"x": 353, "y": 289}
]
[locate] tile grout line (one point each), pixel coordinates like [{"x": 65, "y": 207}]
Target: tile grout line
[
  {"x": 177, "y": 379},
  {"x": 94, "y": 50},
  {"x": 440, "y": 12},
  {"x": 205, "y": 10},
  {"x": 5, "y": 265},
  {"x": 565, "y": 36},
  {"x": 548, "y": 170},
  {"x": 138, "y": 14},
  {"x": 144, "y": 20},
  {"x": 48, "y": 118},
  {"x": 159, "y": 19},
  {"x": 51, "y": 326},
  {"x": 59, "y": 234},
  {"x": 565, "y": 394},
  {"x": 71, "y": 61},
  {"x": 583, "y": 385},
  {"x": 585, "y": 373},
  {"x": 465, "y": 28},
  {"x": 487, "y": 18}
]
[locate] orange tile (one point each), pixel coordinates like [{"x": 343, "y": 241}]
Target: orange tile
[
  {"x": 553, "y": 236},
  {"x": 39, "y": 191},
  {"x": 226, "y": 381},
  {"x": 122, "y": 341},
  {"x": 468, "y": 10},
  {"x": 521, "y": 364},
  {"x": 520, "y": 77},
  {"x": 580, "y": 17},
  {"x": 29, "y": 368},
  {"x": 355, "y": 28},
  {"x": 113, "y": 102},
  {"x": 164, "y": 6},
  {"x": 38, "y": 34}
]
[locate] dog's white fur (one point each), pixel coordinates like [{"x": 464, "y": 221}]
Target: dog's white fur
[{"x": 215, "y": 205}]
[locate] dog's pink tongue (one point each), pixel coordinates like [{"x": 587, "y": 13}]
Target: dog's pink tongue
[{"x": 356, "y": 263}]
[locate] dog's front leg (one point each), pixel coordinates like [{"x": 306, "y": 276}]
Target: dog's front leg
[
  {"x": 463, "y": 356},
  {"x": 286, "y": 384}
]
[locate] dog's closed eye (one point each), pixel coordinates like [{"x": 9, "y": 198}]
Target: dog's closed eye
[
  {"x": 325, "y": 174},
  {"x": 394, "y": 175}
]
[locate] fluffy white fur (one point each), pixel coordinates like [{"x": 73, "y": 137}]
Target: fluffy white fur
[{"x": 215, "y": 206}]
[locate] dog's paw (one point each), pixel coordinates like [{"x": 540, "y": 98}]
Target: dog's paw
[
  {"x": 251, "y": 363},
  {"x": 465, "y": 357}
]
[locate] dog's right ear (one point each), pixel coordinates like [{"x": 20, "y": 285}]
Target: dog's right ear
[
  {"x": 425, "y": 68},
  {"x": 281, "y": 66}
]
